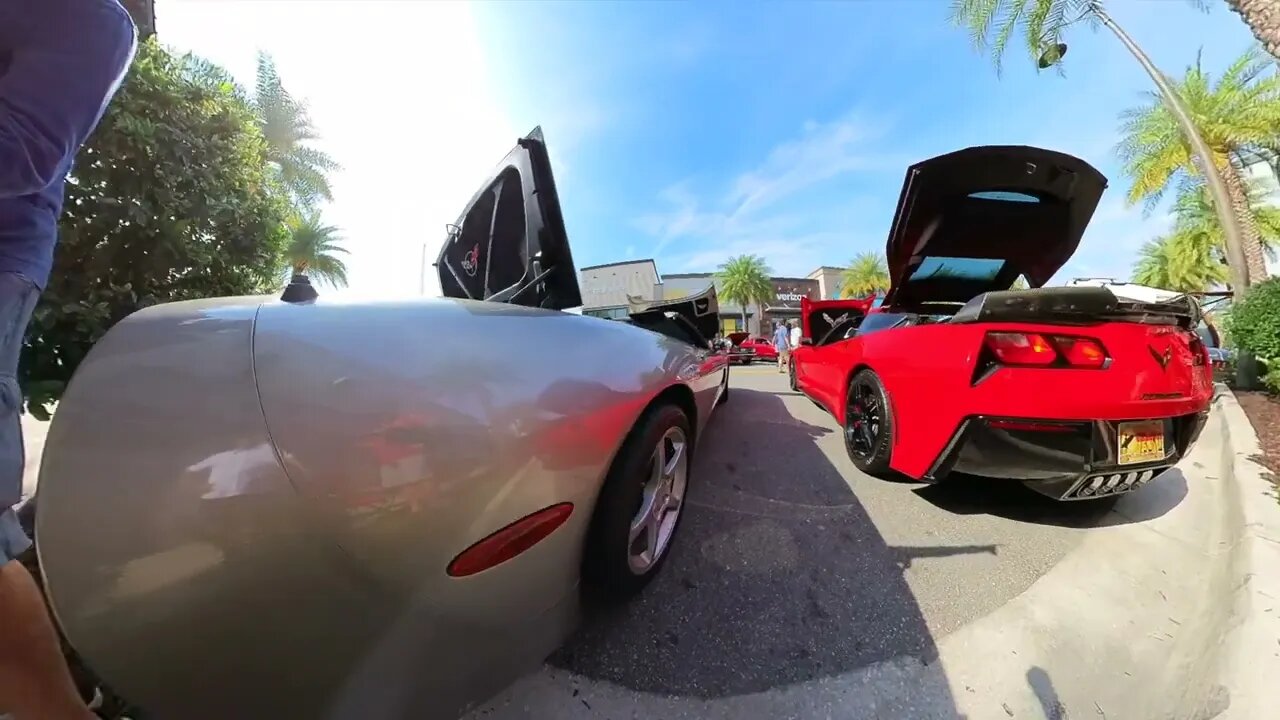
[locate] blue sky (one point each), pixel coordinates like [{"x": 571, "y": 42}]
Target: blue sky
[{"x": 686, "y": 132}]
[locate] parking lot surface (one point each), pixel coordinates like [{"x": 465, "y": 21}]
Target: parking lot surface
[{"x": 792, "y": 566}]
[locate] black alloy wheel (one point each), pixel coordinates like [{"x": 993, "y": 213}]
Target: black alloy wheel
[{"x": 868, "y": 425}]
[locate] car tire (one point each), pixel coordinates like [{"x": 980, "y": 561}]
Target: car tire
[
  {"x": 870, "y": 443},
  {"x": 724, "y": 393},
  {"x": 791, "y": 376},
  {"x": 610, "y": 561}
]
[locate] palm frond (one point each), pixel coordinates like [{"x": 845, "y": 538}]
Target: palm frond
[
  {"x": 287, "y": 127},
  {"x": 314, "y": 248},
  {"x": 865, "y": 275}
]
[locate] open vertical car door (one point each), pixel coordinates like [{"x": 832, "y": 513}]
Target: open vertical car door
[
  {"x": 510, "y": 243},
  {"x": 825, "y": 321}
]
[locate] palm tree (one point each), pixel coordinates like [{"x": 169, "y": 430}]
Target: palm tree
[
  {"x": 286, "y": 126},
  {"x": 1263, "y": 18},
  {"x": 1238, "y": 113},
  {"x": 744, "y": 279},
  {"x": 866, "y": 275},
  {"x": 314, "y": 249},
  {"x": 1043, "y": 24},
  {"x": 1190, "y": 258},
  {"x": 1193, "y": 213},
  {"x": 1180, "y": 261}
]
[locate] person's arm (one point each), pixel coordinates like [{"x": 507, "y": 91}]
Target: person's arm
[{"x": 67, "y": 59}]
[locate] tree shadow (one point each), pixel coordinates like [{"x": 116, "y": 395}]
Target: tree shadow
[
  {"x": 972, "y": 495},
  {"x": 778, "y": 577}
]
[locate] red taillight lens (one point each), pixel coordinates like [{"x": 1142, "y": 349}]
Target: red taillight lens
[
  {"x": 1081, "y": 352},
  {"x": 1021, "y": 348},
  {"x": 510, "y": 541},
  {"x": 1199, "y": 353},
  {"x": 1042, "y": 350}
]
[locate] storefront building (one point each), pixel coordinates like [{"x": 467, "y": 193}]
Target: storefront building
[
  {"x": 607, "y": 289},
  {"x": 829, "y": 279},
  {"x": 785, "y": 305},
  {"x": 788, "y": 292}
]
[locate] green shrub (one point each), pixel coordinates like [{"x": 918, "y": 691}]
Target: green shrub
[
  {"x": 171, "y": 199},
  {"x": 1254, "y": 326},
  {"x": 1272, "y": 377}
]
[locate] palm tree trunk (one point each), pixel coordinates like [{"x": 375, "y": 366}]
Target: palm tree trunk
[
  {"x": 1263, "y": 18},
  {"x": 1250, "y": 237},
  {"x": 1199, "y": 153}
]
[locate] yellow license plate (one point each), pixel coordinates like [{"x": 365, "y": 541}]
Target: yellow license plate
[{"x": 1141, "y": 441}]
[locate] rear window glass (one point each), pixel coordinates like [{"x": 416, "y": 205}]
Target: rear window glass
[
  {"x": 1004, "y": 196},
  {"x": 935, "y": 268},
  {"x": 881, "y": 321}
]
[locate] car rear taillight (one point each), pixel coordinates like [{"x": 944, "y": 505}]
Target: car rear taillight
[
  {"x": 510, "y": 541},
  {"x": 1199, "y": 353},
  {"x": 1081, "y": 352},
  {"x": 1027, "y": 349}
]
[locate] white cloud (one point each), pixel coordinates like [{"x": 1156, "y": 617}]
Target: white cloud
[
  {"x": 1111, "y": 242},
  {"x": 759, "y": 211},
  {"x": 400, "y": 94}
]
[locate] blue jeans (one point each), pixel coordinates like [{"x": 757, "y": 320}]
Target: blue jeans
[{"x": 18, "y": 297}]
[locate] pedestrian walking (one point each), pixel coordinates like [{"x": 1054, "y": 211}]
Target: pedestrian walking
[
  {"x": 782, "y": 341},
  {"x": 61, "y": 61}
]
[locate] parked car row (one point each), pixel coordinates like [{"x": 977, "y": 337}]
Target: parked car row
[
  {"x": 314, "y": 501},
  {"x": 744, "y": 349}
]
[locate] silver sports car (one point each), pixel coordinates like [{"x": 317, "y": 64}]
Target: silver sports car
[{"x": 300, "y": 508}]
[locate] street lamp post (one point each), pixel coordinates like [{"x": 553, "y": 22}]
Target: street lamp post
[{"x": 1200, "y": 152}]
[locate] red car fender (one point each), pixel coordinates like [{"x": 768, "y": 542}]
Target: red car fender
[{"x": 926, "y": 390}]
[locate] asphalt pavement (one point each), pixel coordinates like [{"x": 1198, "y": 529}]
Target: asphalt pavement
[{"x": 791, "y": 566}]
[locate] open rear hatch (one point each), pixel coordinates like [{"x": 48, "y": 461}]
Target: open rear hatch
[
  {"x": 972, "y": 221},
  {"x": 510, "y": 245},
  {"x": 822, "y": 320},
  {"x": 700, "y": 312}
]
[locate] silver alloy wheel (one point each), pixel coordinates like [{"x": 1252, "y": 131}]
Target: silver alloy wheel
[{"x": 660, "y": 503}]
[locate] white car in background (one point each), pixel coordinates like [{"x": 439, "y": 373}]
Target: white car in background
[{"x": 1218, "y": 355}]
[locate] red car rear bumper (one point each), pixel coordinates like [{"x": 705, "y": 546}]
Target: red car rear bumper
[{"x": 1072, "y": 460}]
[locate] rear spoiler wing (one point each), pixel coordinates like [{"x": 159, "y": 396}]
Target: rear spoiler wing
[{"x": 1077, "y": 305}]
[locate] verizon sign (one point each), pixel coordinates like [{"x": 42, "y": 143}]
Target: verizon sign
[{"x": 790, "y": 296}]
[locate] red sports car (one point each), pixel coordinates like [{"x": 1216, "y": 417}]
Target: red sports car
[
  {"x": 747, "y": 349},
  {"x": 1072, "y": 390}
]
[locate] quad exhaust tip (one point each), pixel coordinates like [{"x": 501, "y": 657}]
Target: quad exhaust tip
[{"x": 1096, "y": 486}]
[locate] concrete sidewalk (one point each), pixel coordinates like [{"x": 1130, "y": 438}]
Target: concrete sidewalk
[
  {"x": 33, "y": 435},
  {"x": 1250, "y": 670}
]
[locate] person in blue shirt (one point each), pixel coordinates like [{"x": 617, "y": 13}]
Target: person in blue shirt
[
  {"x": 61, "y": 62},
  {"x": 782, "y": 341}
]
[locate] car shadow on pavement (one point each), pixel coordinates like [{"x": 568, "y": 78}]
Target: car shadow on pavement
[
  {"x": 778, "y": 576},
  {"x": 972, "y": 495}
]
